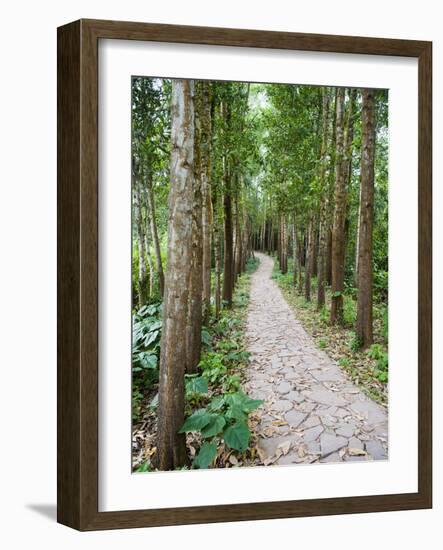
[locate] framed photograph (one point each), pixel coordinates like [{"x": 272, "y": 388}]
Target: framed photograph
[{"x": 244, "y": 275}]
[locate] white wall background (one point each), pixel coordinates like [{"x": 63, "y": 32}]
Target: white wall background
[{"x": 28, "y": 270}]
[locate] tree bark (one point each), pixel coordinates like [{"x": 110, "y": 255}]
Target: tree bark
[
  {"x": 309, "y": 260},
  {"x": 324, "y": 225},
  {"x": 294, "y": 253},
  {"x": 338, "y": 228},
  {"x": 217, "y": 253},
  {"x": 171, "y": 446},
  {"x": 227, "y": 209},
  {"x": 140, "y": 245},
  {"x": 300, "y": 262},
  {"x": 154, "y": 234},
  {"x": 365, "y": 274},
  {"x": 194, "y": 320},
  {"x": 205, "y": 161},
  {"x": 147, "y": 228}
]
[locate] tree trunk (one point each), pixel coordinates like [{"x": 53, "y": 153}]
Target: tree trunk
[
  {"x": 357, "y": 243},
  {"x": 217, "y": 253},
  {"x": 146, "y": 225},
  {"x": 154, "y": 234},
  {"x": 283, "y": 245},
  {"x": 171, "y": 446},
  {"x": 238, "y": 239},
  {"x": 140, "y": 245},
  {"x": 300, "y": 262},
  {"x": 365, "y": 276},
  {"x": 194, "y": 320},
  {"x": 228, "y": 244},
  {"x": 324, "y": 225},
  {"x": 338, "y": 227},
  {"x": 206, "y": 197},
  {"x": 309, "y": 260},
  {"x": 294, "y": 253}
]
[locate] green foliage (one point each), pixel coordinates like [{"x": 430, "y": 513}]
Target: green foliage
[
  {"x": 355, "y": 343},
  {"x": 205, "y": 456},
  {"x": 225, "y": 418},
  {"x": 377, "y": 352},
  {"x": 349, "y": 311},
  {"x": 144, "y": 467},
  {"x": 206, "y": 338},
  {"x": 196, "y": 387},
  {"x": 322, "y": 343},
  {"x": 146, "y": 334},
  {"x": 212, "y": 367},
  {"x": 237, "y": 435},
  {"x": 344, "y": 362}
]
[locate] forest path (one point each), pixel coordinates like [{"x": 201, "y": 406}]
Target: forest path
[{"x": 312, "y": 411}]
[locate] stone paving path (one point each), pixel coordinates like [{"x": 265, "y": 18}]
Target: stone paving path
[{"x": 312, "y": 411}]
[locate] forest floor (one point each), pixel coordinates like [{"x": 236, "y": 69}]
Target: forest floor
[{"x": 312, "y": 411}]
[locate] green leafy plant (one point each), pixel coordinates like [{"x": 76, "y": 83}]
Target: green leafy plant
[
  {"x": 355, "y": 343},
  {"x": 146, "y": 334},
  {"x": 378, "y": 353},
  {"x": 322, "y": 343},
  {"x": 212, "y": 367},
  {"x": 225, "y": 418},
  {"x": 196, "y": 387}
]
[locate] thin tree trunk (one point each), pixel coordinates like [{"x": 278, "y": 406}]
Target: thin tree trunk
[
  {"x": 217, "y": 253},
  {"x": 237, "y": 254},
  {"x": 228, "y": 244},
  {"x": 300, "y": 262},
  {"x": 309, "y": 260},
  {"x": 206, "y": 198},
  {"x": 338, "y": 228},
  {"x": 194, "y": 320},
  {"x": 365, "y": 275},
  {"x": 140, "y": 245},
  {"x": 148, "y": 252},
  {"x": 154, "y": 234},
  {"x": 171, "y": 445},
  {"x": 323, "y": 226},
  {"x": 294, "y": 253},
  {"x": 357, "y": 241}
]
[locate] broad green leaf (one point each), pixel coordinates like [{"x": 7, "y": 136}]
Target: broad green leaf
[
  {"x": 145, "y": 467},
  {"x": 216, "y": 403},
  {"x": 206, "y": 338},
  {"x": 196, "y": 421},
  {"x": 206, "y": 455},
  {"x": 154, "y": 402},
  {"x": 196, "y": 384},
  {"x": 148, "y": 360},
  {"x": 250, "y": 405},
  {"x": 215, "y": 426},
  {"x": 237, "y": 436},
  {"x": 151, "y": 337},
  {"x": 235, "y": 412}
]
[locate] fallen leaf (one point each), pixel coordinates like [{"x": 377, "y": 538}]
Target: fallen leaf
[
  {"x": 233, "y": 460},
  {"x": 356, "y": 452}
]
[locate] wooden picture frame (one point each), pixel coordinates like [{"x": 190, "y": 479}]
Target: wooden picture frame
[{"x": 78, "y": 273}]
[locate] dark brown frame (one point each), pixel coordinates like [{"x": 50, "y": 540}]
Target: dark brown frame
[{"x": 77, "y": 456}]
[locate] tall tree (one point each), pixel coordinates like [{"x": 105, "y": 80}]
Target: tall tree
[
  {"x": 171, "y": 446},
  {"x": 338, "y": 228},
  {"x": 228, "y": 259},
  {"x": 194, "y": 319},
  {"x": 205, "y": 172},
  {"x": 154, "y": 233},
  {"x": 142, "y": 272},
  {"x": 365, "y": 270},
  {"x": 324, "y": 193}
]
